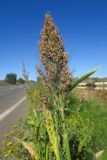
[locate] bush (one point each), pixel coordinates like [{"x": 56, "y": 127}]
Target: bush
[{"x": 11, "y": 78}]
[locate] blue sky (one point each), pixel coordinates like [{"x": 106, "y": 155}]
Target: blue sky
[{"x": 82, "y": 24}]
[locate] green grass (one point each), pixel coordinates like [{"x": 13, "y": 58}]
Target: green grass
[
  {"x": 2, "y": 82},
  {"x": 97, "y": 112},
  {"x": 104, "y": 156}
]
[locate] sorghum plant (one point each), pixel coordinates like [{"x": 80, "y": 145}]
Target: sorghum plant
[{"x": 51, "y": 134}]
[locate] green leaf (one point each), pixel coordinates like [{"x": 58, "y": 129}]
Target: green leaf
[
  {"x": 35, "y": 118},
  {"x": 30, "y": 121},
  {"x": 65, "y": 135},
  {"x": 46, "y": 154},
  {"x": 66, "y": 145},
  {"x": 84, "y": 77}
]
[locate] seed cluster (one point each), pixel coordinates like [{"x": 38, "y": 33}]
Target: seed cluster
[
  {"x": 53, "y": 56},
  {"x": 45, "y": 80},
  {"x": 46, "y": 101}
]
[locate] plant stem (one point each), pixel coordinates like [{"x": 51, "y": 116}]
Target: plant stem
[{"x": 65, "y": 135}]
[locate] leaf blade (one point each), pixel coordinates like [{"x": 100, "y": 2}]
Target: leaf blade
[
  {"x": 84, "y": 77},
  {"x": 29, "y": 148}
]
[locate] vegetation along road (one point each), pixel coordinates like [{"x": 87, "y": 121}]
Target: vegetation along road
[{"x": 12, "y": 107}]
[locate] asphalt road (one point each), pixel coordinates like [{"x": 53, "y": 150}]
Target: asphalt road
[{"x": 12, "y": 107}]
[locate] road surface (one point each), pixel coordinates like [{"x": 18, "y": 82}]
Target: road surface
[{"x": 12, "y": 107}]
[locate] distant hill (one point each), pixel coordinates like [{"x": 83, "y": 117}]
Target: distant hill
[{"x": 95, "y": 79}]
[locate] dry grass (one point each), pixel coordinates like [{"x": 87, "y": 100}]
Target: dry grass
[{"x": 90, "y": 93}]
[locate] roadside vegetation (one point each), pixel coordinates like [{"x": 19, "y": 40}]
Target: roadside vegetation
[
  {"x": 60, "y": 125},
  {"x": 2, "y": 82}
]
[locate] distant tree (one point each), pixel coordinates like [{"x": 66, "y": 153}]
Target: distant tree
[
  {"x": 11, "y": 78},
  {"x": 25, "y": 73},
  {"x": 21, "y": 81}
]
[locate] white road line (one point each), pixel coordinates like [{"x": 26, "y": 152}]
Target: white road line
[
  {"x": 8, "y": 111},
  {"x": 15, "y": 87}
]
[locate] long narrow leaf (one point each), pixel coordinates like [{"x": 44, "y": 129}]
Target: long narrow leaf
[
  {"x": 66, "y": 145},
  {"x": 65, "y": 134},
  {"x": 29, "y": 148},
  {"x": 99, "y": 154},
  {"x": 46, "y": 154},
  {"x": 65, "y": 138},
  {"x": 84, "y": 77}
]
